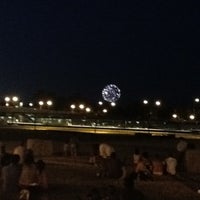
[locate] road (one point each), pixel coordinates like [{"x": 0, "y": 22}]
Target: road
[{"x": 188, "y": 134}]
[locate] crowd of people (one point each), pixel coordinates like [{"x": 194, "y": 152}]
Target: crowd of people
[
  {"x": 22, "y": 176},
  {"x": 141, "y": 163},
  {"x": 140, "y": 166}
]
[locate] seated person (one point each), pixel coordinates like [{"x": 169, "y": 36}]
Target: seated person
[
  {"x": 157, "y": 166},
  {"x": 144, "y": 168}
]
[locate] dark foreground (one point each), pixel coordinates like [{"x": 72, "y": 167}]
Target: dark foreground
[
  {"x": 70, "y": 179},
  {"x": 73, "y": 179}
]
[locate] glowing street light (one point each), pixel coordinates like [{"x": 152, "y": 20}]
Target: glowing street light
[
  {"x": 41, "y": 103},
  {"x": 7, "y": 99},
  {"x": 21, "y": 104},
  {"x": 15, "y": 99},
  {"x": 197, "y": 100},
  {"x": 192, "y": 117},
  {"x": 145, "y": 102},
  {"x": 175, "y": 116},
  {"x": 72, "y": 106},
  {"x": 30, "y": 104},
  {"x": 49, "y": 103},
  {"x": 104, "y": 110},
  {"x": 81, "y": 106},
  {"x": 158, "y": 103},
  {"x": 88, "y": 109},
  {"x": 100, "y": 103},
  {"x": 113, "y": 104}
]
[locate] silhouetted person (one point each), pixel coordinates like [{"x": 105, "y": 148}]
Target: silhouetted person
[
  {"x": 4, "y": 156},
  {"x": 10, "y": 178},
  {"x": 20, "y": 150},
  {"x": 129, "y": 192}
]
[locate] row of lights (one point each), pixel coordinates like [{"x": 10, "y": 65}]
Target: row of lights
[
  {"x": 157, "y": 102},
  {"x": 14, "y": 101},
  {"x": 191, "y": 116},
  {"x": 174, "y": 116}
]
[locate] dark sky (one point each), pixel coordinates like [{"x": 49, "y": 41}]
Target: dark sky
[{"x": 147, "y": 48}]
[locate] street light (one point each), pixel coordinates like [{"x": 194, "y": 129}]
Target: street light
[
  {"x": 73, "y": 106},
  {"x": 49, "y": 103},
  {"x": 30, "y": 104},
  {"x": 192, "y": 116},
  {"x": 11, "y": 101},
  {"x": 81, "y": 106},
  {"x": 104, "y": 110},
  {"x": 15, "y": 99},
  {"x": 158, "y": 103},
  {"x": 7, "y": 99},
  {"x": 41, "y": 103},
  {"x": 113, "y": 104},
  {"x": 21, "y": 104},
  {"x": 175, "y": 116},
  {"x": 150, "y": 111},
  {"x": 100, "y": 103},
  {"x": 88, "y": 109},
  {"x": 145, "y": 102}
]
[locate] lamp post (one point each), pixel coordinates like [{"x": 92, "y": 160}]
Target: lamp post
[
  {"x": 14, "y": 100},
  {"x": 149, "y": 111},
  {"x": 49, "y": 103},
  {"x": 41, "y": 103},
  {"x": 196, "y": 105},
  {"x": 7, "y": 101}
]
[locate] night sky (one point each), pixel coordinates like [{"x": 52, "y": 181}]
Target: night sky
[{"x": 149, "y": 49}]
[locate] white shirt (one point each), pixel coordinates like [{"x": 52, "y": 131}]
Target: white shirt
[{"x": 171, "y": 164}]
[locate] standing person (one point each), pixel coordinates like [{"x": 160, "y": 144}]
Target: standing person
[
  {"x": 20, "y": 150},
  {"x": 42, "y": 180},
  {"x": 29, "y": 177},
  {"x": 73, "y": 146},
  {"x": 129, "y": 192},
  {"x": 10, "y": 178},
  {"x": 4, "y": 156},
  {"x": 42, "y": 176},
  {"x": 181, "y": 150},
  {"x": 66, "y": 148},
  {"x": 105, "y": 151},
  {"x": 136, "y": 157}
]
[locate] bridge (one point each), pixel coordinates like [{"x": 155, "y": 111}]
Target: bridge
[{"x": 36, "y": 119}]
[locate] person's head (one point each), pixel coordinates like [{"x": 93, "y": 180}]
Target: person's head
[
  {"x": 28, "y": 158},
  {"x": 15, "y": 159},
  {"x": 40, "y": 164},
  {"x": 137, "y": 151}
]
